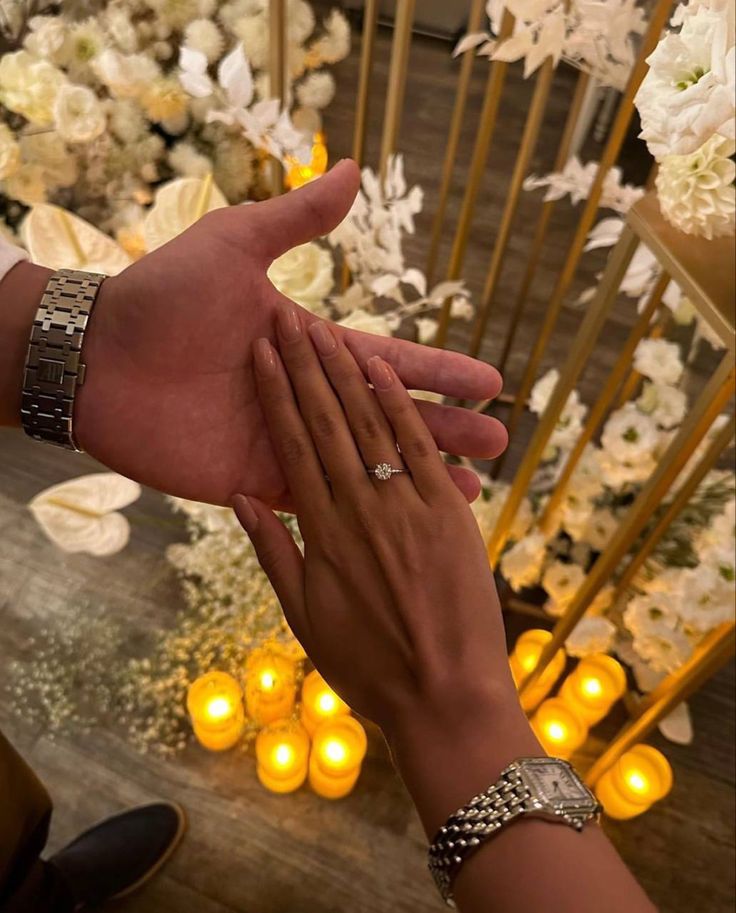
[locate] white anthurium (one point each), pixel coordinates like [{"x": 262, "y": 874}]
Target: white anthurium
[
  {"x": 58, "y": 239},
  {"x": 82, "y": 515},
  {"x": 178, "y": 205},
  {"x": 677, "y": 726}
]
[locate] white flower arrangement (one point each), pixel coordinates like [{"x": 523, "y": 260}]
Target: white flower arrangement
[{"x": 142, "y": 93}]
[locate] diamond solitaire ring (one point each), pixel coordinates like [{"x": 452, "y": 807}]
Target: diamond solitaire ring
[{"x": 384, "y": 471}]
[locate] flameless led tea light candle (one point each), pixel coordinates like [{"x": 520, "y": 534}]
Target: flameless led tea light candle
[
  {"x": 593, "y": 687},
  {"x": 282, "y": 755},
  {"x": 560, "y": 730},
  {"x": 270, "y": 686},
  {"x": 214, "y": 702},
  {"x": 524, "y": 658},
  {"x": 640, "y": 777},
  {"x": 298, "y": 174},
  {"x": 338, "y": 749},
  {"x": 319, "y": 702}
]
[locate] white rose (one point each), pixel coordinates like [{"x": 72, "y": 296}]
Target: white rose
[
  {"x": 366, "y": 322},
  {"x": 78, "y": 115},
  {"x": 29, "y": 86},
  {"x": 9, "y": 152},
  {"x": 46, "y": 36},
  {"x": 304, "y": 274}
]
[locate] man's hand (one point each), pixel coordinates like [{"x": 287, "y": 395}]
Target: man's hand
[{"x": 169, "y": 398}]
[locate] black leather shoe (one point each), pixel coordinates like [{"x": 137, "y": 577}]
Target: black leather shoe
[{"x": 120, "y": 854}]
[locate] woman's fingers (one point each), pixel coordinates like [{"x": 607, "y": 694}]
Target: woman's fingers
[
  {"x": 279, "y": 557},
  {"x": 291, "y": 439},
  {"x": 417, "y": 445},
  {"x": 320, "y": 408},
  {"x": 372, "y": 432},
  {"x": 466, "y": 480}
]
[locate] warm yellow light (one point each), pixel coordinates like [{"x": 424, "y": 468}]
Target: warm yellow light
[
  {"x": 530, "y": 661},
  {"x": 327, "y": 702},
  {"x": 592, "y": 687},
  {"x": 268, "y": 680},
  {"x": 218, "y": 708},
  {"x": 283, "y": 756},
  {"x": 637, "y": 781},
  {"x": 334, "y": 751},
  {"x": 556, "y": 731}
]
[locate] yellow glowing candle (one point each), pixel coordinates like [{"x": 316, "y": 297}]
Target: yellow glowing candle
[
  {"x": 270, "y": 686},
  {"x": 558, "y": 728},
  {"x": 524, "y": 658},
  {"x": 282, "y": 755},
  {"x": 299, "y": 174},
  {"x": 594, "y": 686},
  {"x": 319, "y": 702},
  {"x": 215, "y": 705},
  {"x": 640, "y": 777},
  {"x": 338, "y": 749}
]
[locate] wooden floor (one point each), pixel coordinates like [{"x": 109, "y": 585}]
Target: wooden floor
[{"x": 248, "y": 851}]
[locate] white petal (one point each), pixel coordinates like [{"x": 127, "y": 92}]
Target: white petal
[
  {"x": 417, "y": 279},
  {"x": 236, "y": 78},
  {"x": 678, "y": 727},
  {"x": 471, "y": 40}
]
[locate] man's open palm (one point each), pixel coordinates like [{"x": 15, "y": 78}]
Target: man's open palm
[{"x": 170, "y": 399}]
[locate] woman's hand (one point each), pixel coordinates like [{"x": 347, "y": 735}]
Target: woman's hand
[{"x": 393, "y": 600}]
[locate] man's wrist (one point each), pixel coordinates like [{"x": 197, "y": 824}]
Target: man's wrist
[
  {"x": 21, "y": 291},
  {"x": 448, "y": 754}
]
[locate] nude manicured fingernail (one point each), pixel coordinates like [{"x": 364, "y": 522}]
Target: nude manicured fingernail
[
  {"x": 323, "y": 338},
  {"x": 380, "y": 373},
  {"x": 244, "y": 512},
  {"x": 264, "y": 356},
  {"x": 289, "y": 323}
]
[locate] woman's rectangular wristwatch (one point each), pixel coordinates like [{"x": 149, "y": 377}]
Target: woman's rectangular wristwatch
[{"x": 547, "y": 788}]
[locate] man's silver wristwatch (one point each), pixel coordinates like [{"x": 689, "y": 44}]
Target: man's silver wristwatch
[
  {"x": 54, "y": 368},
  {"x": 547, "y": 788}
]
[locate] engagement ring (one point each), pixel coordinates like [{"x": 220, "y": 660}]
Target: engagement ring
[{"x": 384, "y": 471}]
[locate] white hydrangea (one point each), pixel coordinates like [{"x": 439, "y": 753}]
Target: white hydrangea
[
  {"x": 78, "y": 115},
  {"x": 591, "y": 635},
  {"x": 522, "y": 564},
  {"x": 203, "y": 35},
  {"x": 659, "y": 360}
]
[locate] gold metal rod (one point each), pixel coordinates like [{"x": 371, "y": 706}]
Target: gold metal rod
[
  {"x": 709, "y": 404},
  {"x": 659, "y": 17},
  {"x": 453, "y": 140},
  {"x": 582, "y": 346},
  {"x": 634, "y": 378},
  {"x": 676, "y": 688},
  {"x": 400, "y": 47},
  {"x": 527, "y": 146},
  {"x": 603, "y": 401},
  {"x": 487, "y": 126},
  {"x": 277, "y": 75},
  {"x": 367, "y": 53},
  {"x": 540, "y": 232},
  {"x": 719, "y": 443}
]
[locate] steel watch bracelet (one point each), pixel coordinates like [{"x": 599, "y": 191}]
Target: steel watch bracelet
[
  {"x": 471, "y": 825},
  {"x": 54, "y": 368}
]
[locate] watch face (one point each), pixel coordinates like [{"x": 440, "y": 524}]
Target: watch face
[{"x": 556, "y": 784}]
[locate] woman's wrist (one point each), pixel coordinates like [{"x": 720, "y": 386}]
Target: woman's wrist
[
  {"x": 449, "y": 752},
  {"x": 21, "y": 291}
]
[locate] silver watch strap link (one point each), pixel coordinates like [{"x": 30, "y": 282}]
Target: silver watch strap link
[
  {"x": 54, "y": 369},
  {"x": 471, "y": 825}
]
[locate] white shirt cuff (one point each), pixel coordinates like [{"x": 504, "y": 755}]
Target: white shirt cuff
[{"x": 9, "y": 256}]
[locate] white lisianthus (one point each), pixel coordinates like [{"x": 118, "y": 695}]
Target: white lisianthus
[
  {"x": 666, "y": 404},
  {"x": 590, "y": 635},
  {"x": 562, "y": 581},
  {"x": 659, "y": 360},
  {"x": 603, "y": 600},
  {"x": 204, "y": 36},
  {"x": 125, "y": 75},
  {"x": 706, "y": 600},
  {"x": 46, "y": 36},
  {"x": 574, "y": 514},
  {"x": 600, "y": 527},
  {"x": 304, "y": 274},
  {"x": 688, "y": 93},
  {"x": 29, "y": 86},
  {"x": 586, "y": 479},
  {"x": 629, "y": 435},
  {"x": 617, "y": 471},
  {"x": 696, "y": 191},
  {"x": 570, "y": 423},
  {"x": 9, "y": 152},
  {"x": 78, "y": 114},
  {"x": 522, "y": 564},
  {"x": 366, "y": 322},
  {"x": 488, "y": 510},
  {"x": 316, "y": 90},
  {"x": 648, "y": 611},
  {"x": 663, "y": 648}
]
